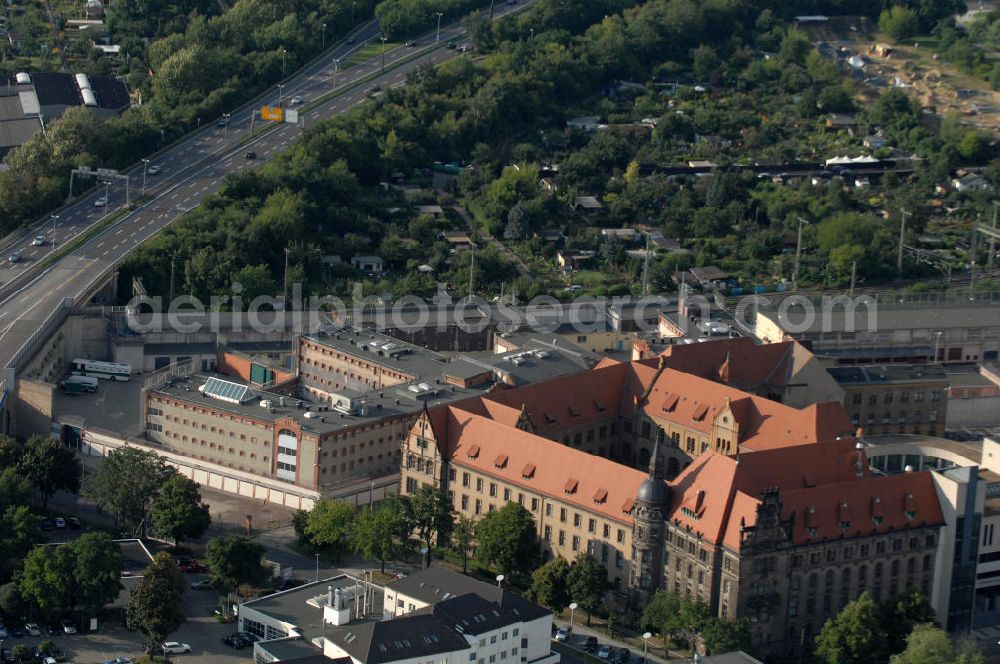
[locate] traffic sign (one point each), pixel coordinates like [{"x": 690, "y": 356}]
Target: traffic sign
[
  {"x": 272, "y": 113},
  {"x": 291, "y": 116},
  {"x": 107, "y": 171}
]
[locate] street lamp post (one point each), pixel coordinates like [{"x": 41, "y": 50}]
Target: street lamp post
[
  {"x": 937, "y": 341},
  {"x": 383, "y": 38},
  {"x": 54, "y": 217},
  {"x": 500, "y": 578},
  {"x": 572, "y": 613},
  {"x": 225, "y": 129},
  {"x": 107, "y": 197},
  {"x": 324, "y": 36},
  {"x": 281, "y": 93},
  {"x": 317, "y": 567},
  {"x": 336, "y": 68},
  {"x": 145, "y": 165},
  {"x": 645, "y": 646},
  {"x": 437, "y": 36},
  {"x": 283, "y": 52}
]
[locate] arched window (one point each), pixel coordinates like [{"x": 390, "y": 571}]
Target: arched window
[{"x": 643, "y": 457}]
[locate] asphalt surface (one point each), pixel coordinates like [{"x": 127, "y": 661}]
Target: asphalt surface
[{"x": 192, "y": 170}]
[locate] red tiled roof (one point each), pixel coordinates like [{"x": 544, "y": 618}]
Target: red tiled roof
[
  {"x": 882, "y": 497},
  {"x": 543, "y": 465},
  {"x": 739, "y": 361}
]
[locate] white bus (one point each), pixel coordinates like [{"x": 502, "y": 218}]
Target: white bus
[{"x": 108, "y": 370}]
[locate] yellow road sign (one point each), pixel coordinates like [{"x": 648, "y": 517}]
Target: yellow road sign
[{"x": 272, "y": 113}]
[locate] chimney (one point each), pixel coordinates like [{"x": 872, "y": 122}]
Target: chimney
[{"x": 338, "y": 599}]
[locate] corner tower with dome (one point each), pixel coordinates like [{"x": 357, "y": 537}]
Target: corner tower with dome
[{"x": 651, "y": 503}]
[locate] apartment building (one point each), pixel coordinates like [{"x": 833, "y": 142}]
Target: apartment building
[
  {"x": 773, "y": 514},
  {"x": 895, "y": 398}
]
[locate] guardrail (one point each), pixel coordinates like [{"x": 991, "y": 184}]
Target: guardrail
[{"x": 50, "y": 322}]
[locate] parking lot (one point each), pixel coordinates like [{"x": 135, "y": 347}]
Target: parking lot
[{"x": 201, "y": 631}]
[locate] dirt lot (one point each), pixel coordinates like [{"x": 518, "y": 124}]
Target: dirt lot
[{"x": 912, "y": 68}]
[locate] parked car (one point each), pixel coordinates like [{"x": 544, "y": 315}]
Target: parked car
[
  {"x": 16, "y": 631},
  {"x": 234, "y": 641},
  {"x": 47, "y": 524},
  {"x": 153, "y": 170},
  {"x": 68, "y": 626},
  {"x": 203, "y": 584},
  {"x": 119, "y": 660},
  {"x": 623, "y": 655},
  {"x": 175, "y": 648},
  {"x": 54, "y": 629},
  {"x": 563, "y": 633},
  {"x": 3, "y": 632},
  {"x": 73, "y": 523},
  {"x": 604, "y": 652},
  {"x": 59, "y": 522},
  {"x": 32, "y": 629},
  {"x": 591, "y": 644},
  {"x": 38, "y": 241},
  {"x": 53, "y": 651},
  {"x": 248, "y": 637},
  {"x": 190, "y": 565}
]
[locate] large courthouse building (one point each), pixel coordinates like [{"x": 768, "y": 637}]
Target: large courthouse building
[{"x": 685, "y": 482}]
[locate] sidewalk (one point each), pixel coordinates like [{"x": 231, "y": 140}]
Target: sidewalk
[{"x": 581, "y": 632}]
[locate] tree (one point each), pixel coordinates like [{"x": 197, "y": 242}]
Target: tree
[
  {"x": 50, "y": 466},
  {"x": 15, "y": 489},
  {"x": 47, "y": 578},
  {"x": 550, "y": 585},
  {"x": 373, "y": 534},
  {"x": 463, "y": 536},
  {"x": 11, "y": 601},
  {"x": 432, "y": 515},
  {"x": 178, "y": 512},
  {"x": 853, "y": 635},
  {"x": 300, "y": 518},
  {"x": 329, "y": 525},
  {"x": 587, "y": 582},
  {"x": 659, "y": 611},
  {"x": 236, "y": 561},
  {"x": 506, "y": 539},
  {"x": 21, "y": 532},
  {"x": 97, "y": 570},
  {"x": 928, "y": 644},
  {"x": 154, "y": 603},
  {"x": 721, "y": 636},
  {"x": 127, "y": 482},
  {"x": 898, "y": 617},
  {"x": 899, "y": 22}
]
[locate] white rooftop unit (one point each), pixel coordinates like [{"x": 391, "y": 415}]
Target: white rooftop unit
[
  {"x": 88, "y": 97},
  {"x": 23, "y": 78},
  {"x": 82, "y": 82}
]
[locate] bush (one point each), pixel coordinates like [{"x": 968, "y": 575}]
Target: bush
[{"x": 899, "y": 23}]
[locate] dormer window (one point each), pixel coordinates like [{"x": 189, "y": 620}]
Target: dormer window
[
  {"x": 528, "y": 471},
  {"x": 501, "y": 461},
  {"x": 700, "y": 412},
  {"x": 601, "y": 496},
  {"x": 571, "y": 486},
  {"x": 474, "y": 451}
]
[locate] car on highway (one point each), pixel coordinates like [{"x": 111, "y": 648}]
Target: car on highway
[
  {"x": 590, "y": 645},
  {"x": 563, "y": 633},
  {"x": 68, "y": 626},
  {"x": 375, "y": 88},
  {"x": 101, "y": 202},
  {"x": 38, "y": 241},
  {"x": 296, "y": 100},
  {"x": 450, "y": 46},
  {"x": 204, "y": 584},
  {"x": 222, "y": 122},
  {"x": 250, "y": 154},
  {"x": 14, "y": 257},
  {"x": 175, "y": 648},
  {"x": 412, "y": 44},
  {"x": 32, "y": 629},
  {"x": 350, "y": 40},
  {"x": 153, "y": 170},
  {"x": 604, "y": 652}
]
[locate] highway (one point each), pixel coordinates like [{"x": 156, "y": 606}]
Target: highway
[{"x": 191, "y": 170}]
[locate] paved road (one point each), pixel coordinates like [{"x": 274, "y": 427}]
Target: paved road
[{"x": 192, "y": 170}]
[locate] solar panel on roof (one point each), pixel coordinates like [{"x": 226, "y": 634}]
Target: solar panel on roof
[{"x": 223, "y": 390}]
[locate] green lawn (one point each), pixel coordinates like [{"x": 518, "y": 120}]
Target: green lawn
[{"x": 366, "y": 53}]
